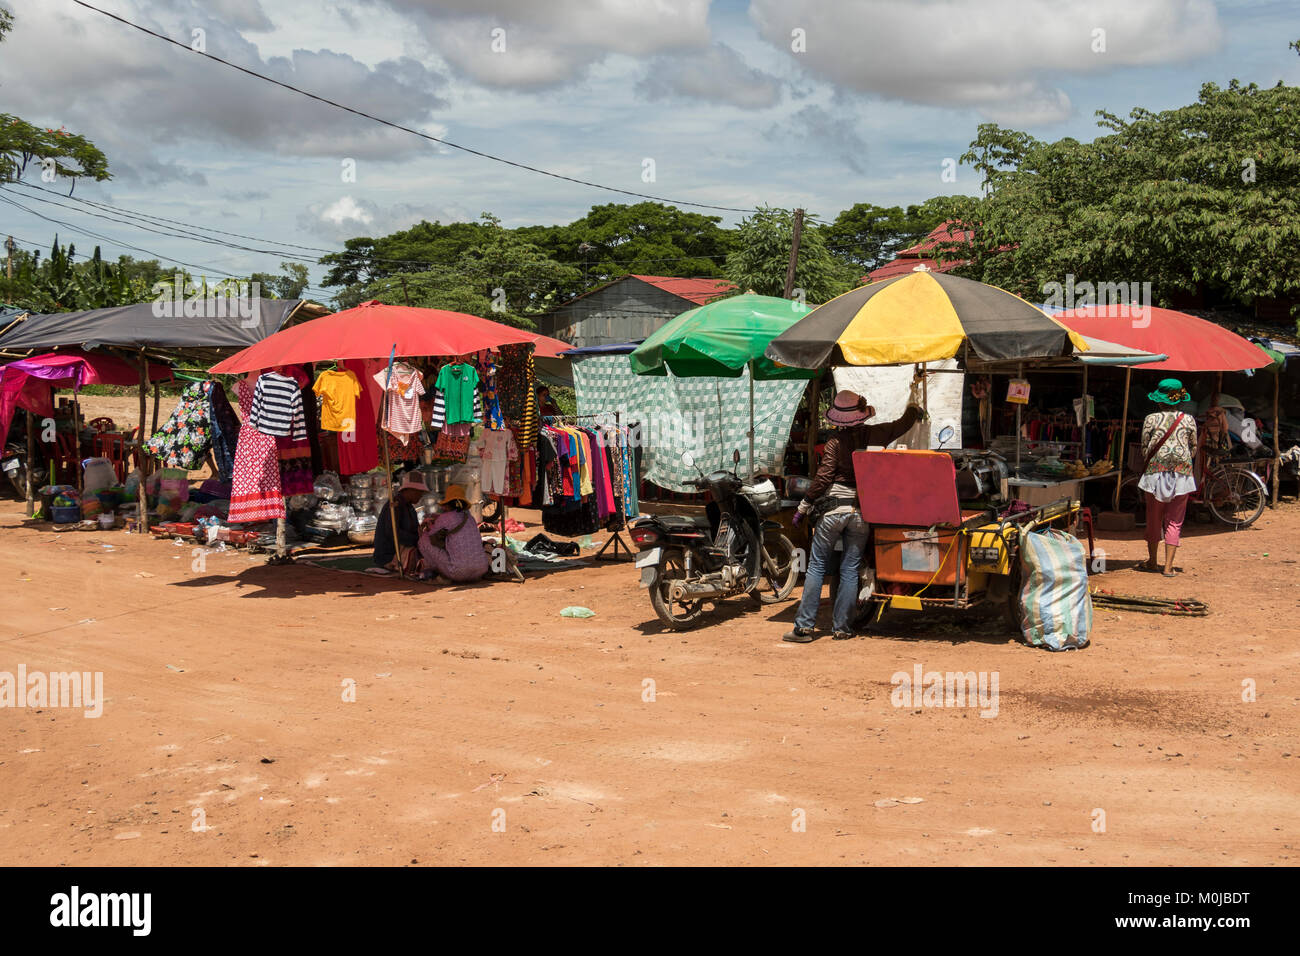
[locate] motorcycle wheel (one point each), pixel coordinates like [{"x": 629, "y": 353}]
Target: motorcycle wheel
[
  {"x": 678, "y": 616},
  {"x": 779, "y": 572},
  {"x": 1236, "y": 497}
]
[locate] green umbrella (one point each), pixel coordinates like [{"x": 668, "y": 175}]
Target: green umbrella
[{"x": 721, "y": 339}]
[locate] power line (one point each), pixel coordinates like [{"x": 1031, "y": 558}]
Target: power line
[{"x": 398, "y": 126}]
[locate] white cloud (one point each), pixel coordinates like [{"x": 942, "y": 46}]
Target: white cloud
[
  {"x": 553, "y": 42},
  {"x": 718, "y": 75},
  {"x": 1000, "y": 57},
  {"x": 346, "y": 209}
]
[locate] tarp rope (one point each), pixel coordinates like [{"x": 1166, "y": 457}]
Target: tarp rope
[{"x": 1182, "y": 607}]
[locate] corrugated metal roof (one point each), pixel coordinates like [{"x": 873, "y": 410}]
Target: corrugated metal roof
[
  {"x": 698, "y": 291},
  {"x": 908, "y": 259}
]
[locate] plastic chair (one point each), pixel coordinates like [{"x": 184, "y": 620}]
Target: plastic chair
[
  {"x": 112, "y": 445},
  {"x": 102, "y": 424}
]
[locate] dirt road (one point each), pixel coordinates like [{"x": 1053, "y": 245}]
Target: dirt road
[{"x": 488, "y": 729}]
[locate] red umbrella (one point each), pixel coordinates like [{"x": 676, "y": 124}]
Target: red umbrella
[
  {"x": 1192, "y": 344},
  {"x": 372, "y": 329}
]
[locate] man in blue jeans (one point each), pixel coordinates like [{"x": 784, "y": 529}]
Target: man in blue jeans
[{"x": 834, "y": 489}]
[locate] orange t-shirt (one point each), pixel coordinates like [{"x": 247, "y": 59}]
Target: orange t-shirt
[{"x": 339, "y": 391}]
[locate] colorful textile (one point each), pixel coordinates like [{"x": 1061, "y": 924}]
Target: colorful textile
[
  {"x": 496, "y": 449},
  {"x": 405, "y": 386},
  {"x": 255, "y": 486},
  {"x": 277, "y": 407},
  {"x": 459, "y": 385},
  {"x": 1177, "y": 453},
  {"x": 491, "y": 403},
  {"x": 184, "y": 438},
  {"x": 1056, "y": 606},
  {"x": 295, "y": 466},
  {"x": 517, "y": 388},
  {"x": 338, "y": 391},
  {"x": 225, "y": 431}
]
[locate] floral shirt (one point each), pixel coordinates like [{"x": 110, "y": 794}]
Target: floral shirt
[{"x": 1178, "y": 451}]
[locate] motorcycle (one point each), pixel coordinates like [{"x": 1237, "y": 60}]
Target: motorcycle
[
  {"x": 687, "y": 562},
  {"x": 14, "y": 466}
]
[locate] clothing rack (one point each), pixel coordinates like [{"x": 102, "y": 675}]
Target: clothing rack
[{"x": 616, "y": 539}]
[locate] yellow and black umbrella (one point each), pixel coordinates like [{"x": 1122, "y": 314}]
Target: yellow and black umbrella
[{"x": 922, "y": 317}]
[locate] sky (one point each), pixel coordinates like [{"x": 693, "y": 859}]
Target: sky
[{"x": 730, "y": 103}]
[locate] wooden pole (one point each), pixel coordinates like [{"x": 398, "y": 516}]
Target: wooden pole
[
  {"x": 31, "y": 464},
  {"x": 814, "y": 409},
  {"x": 157, "y": 395},
  {"x": 1123, "y": 436},
  {"x": 794, "y": 253},
  {"x": 142, "y": 497},
  {"x": 1277, "y": 447}
]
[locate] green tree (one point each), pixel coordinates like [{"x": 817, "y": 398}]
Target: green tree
[
  {"x": 286, "y": 286},
  {"x": 1198, "y": 198},
  {"x": 762, "y": 256},
  {"x": 868, "y": 235},
  {"x": 59, "y": 283},
  {"x": 502, "y": 277},
  {"x": 645, "y": 238},
  {"x": 59, "y": 154}
]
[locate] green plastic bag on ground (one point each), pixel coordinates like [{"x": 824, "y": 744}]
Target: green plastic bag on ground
[{"x": 577, "y": 612}]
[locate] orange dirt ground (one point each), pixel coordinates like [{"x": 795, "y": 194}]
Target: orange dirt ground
[{"x": 481, "y": 706}]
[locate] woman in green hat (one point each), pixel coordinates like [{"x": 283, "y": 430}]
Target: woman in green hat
[{"x": 1169, "y": 449}]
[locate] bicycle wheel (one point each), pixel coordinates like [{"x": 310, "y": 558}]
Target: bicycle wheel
[{"x": 1236, "y": 497}]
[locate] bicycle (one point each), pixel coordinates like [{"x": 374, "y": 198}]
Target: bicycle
[{"x": 1233, "y": 493}]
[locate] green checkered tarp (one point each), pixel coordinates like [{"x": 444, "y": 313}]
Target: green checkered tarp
[{"x": 709, "y": 417}]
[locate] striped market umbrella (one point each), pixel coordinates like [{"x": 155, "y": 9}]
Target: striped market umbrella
[{"x": 922, "y": 317}]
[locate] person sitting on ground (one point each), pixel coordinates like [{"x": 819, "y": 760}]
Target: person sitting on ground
[
  {"x": 408, "y": 526},
  {"x": 1168, "y": 478},
  {"x": 834, "y": 493},
  {"x": 450, "y": 542}
]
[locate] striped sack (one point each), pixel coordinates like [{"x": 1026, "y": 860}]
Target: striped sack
[{"x": 1056, "y": 608}]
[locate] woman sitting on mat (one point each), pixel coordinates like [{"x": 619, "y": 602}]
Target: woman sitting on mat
[{"x": 450, "y": 542}]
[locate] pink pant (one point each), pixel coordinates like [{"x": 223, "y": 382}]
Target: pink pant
[{"x": 1166, "y": 517}]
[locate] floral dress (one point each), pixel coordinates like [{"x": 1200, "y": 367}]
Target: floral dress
[{"x": 185, "y": 437}]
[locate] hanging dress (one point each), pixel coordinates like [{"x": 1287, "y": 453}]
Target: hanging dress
[{"x": 255, "y": 490}]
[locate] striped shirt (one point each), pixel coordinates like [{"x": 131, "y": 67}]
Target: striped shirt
[{"x": 277, "y": 407}]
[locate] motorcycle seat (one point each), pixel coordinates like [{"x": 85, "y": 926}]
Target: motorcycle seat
[{"x": 672, "y": 523}]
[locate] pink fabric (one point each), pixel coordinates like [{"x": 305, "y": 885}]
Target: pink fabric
[
  {"x": 463, "y": 558},
  {"x": 1166, "y": 518}
]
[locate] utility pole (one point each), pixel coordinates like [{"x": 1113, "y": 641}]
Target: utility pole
[
  {"x": 794, "y": 253},
  {"x": 9, "y": 254}
]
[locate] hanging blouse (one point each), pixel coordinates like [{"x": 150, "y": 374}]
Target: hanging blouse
[
  {"x": 277, "y": 407},
  {"x": 459, "y": 386},
  {"x": 184, "y": 438},
  {"x": 405, "y": 387}
]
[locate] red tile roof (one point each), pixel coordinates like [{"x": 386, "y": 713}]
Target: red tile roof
[
  {"x": 698, "y": 291},
  {"x": 908, "y": 259}
]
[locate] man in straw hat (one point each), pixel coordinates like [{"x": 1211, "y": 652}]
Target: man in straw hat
[
  {"x": 1168, "y": 477},
  {"x": 408, "y": 525},
  {"x": 834, "y": 496}
]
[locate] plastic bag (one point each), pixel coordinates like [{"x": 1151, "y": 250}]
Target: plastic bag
[
  {"x": 577, "y": 612},
  {"x": 328, "y": 487},
  {"x": 98, "y": 473},
  {"x": 173, "y": 492}
]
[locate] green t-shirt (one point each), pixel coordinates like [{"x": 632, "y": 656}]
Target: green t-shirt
[{"x": 457, "y": 383}]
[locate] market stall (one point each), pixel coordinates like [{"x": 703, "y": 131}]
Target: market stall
[
  {"x": 444, "y": 396},
  {"x": 1190, "y": 344},
  {"x": 29, "y": 384}
]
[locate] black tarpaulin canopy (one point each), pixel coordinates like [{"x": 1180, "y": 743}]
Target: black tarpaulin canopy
[{"x": 215, "y": 323}]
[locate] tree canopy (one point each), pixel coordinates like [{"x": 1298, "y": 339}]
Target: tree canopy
[
  {"x": 1199, "y": 198},
  {"x": 762, "y": 256}
]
